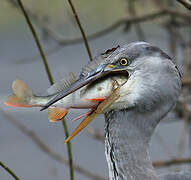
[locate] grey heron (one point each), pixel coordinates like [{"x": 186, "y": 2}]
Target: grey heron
[{"x": 151, "y": 91}]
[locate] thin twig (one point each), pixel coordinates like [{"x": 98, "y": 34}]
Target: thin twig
[
  {"x": 69, "y": 151},
  {"x": 109, "y": 29},
  {"x": 117, "y": 24},
  {"x": 185, "y": 3},
  {"x": 186, "y": 82},
  {"x": 49, "y": 76},
  {"x": 37, "y": 41},
  {"x": 133, "y": 13},
  {"x": 121, "y": 22},
  {"x": 39, "y": 22},
  {"x": 183, "y": 135},
  {"x": 170, "y": 162},
  {"x": 9, "y": 171},
  {"x": 173, "y": 37},
  {"x": 81, "y": 29},
  {"x": 45, "y": 148}
]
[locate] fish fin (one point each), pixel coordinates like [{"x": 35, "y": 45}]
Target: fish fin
[
  {"x": 82, "y": 115},
  {"x": 81, "y": 126},
  {"x": 95, "y": 99},
  {"x": 21, "y": 95},
  {"x": 92, "y": 65},
  {"x": 62, "y": 84},
  {"x": 56, "y": 114},
  {"x": 15, "y": 101}
]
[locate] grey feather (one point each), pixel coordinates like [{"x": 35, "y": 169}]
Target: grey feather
[{"x": 132, "y": 119}]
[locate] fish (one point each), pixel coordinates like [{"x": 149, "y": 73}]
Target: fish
[
  {"x": 98, "y": 94},
  {"x": 87, "y": 97}
]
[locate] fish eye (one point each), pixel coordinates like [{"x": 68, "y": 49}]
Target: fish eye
[{"x": 124, "y": 61}]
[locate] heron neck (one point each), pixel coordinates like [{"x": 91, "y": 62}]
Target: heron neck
[{"x": 127, "y": 139}]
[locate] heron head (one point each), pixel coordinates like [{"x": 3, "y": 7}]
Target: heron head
[
  {"x": 152, "y": 85},
  {"x": 153, "y": 78},
  {"x": 151, "y": 74}
]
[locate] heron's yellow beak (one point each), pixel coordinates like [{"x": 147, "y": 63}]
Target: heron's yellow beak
[{"x": 109, "y": 67}]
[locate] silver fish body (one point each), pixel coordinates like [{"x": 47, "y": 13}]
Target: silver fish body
[
  {"x": 87, "y": 97},
  {"x": 84, "y": 97}
]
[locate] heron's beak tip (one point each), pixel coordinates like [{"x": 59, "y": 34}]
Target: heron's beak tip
[{"x": 43, "y": 108}]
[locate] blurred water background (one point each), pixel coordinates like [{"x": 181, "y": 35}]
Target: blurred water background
[{"x": 16, "y": 48}]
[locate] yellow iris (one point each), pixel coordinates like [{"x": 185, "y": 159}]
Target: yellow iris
[{"x": 124, "y": 61}]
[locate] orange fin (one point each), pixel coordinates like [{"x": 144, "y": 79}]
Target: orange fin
[
  {"x": 15, "y": 101},
  {"x": 21, "y": 95},
  {"x": 81, "y": 116},
  {"x": 56, "y": 114},
  {"x": 95, "y": 99},
  {"x": 82, "y": 125}
]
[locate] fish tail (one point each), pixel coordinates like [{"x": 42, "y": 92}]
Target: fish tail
[{"x": 21, "y": 97}]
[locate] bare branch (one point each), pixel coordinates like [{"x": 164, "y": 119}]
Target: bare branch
[
  {"x": 170, "y": 162},
  {"x": 112, "y": 27},
  {"x": 39, "y": 22},
  {"x": 133, "y": 13},
  {"x": 45, "y": 148},
  {"x": 69, "y": 148},
  {"x": 35, "y": 36},
  {"x": 121, "y": 22},
  {"x": 124, "y": 21},
  {"x": 186, "y": 82},
  {"x": 9, "y": 171},
  {"x": 81, "y": 29},
  {"x": 185, "y": 3}
]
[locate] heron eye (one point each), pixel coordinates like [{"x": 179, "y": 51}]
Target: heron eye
[{"x": 124, "y": 61}]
